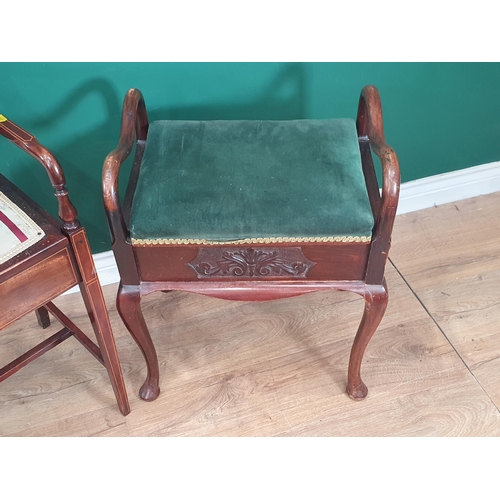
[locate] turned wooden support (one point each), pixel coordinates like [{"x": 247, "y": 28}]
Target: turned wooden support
[{"x": 28, "y": 143}]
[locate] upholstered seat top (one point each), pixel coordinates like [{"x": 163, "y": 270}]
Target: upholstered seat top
[
  {"x": 251, "y": 181},
  {"x": 17, "y": 230}
]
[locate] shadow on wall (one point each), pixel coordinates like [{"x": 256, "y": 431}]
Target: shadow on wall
[
  {"x": 82, "y": 158},
  {"x": 283, "y": 99}
]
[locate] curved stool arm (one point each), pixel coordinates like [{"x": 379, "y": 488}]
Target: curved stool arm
[
  {"x": 134, "y": 123},
  {"x": 370, "y": 126}
]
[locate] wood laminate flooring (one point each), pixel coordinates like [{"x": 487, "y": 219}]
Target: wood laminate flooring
[{"x": 279, "y": 368}]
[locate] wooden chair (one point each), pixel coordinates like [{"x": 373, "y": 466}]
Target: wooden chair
[
  {"x": 40, "y": 259},
  {"x": 252, "y": 210}
]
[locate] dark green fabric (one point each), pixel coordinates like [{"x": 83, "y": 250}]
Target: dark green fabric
[{"x": 230, "y": 180}]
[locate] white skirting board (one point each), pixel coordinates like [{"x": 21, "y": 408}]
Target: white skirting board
[
  {"x": 449, "y": 187},
  {"x": 415, "y": 195}
]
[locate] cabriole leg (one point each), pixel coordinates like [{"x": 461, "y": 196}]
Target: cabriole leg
[
  {"x": 128, "y": 303},
  {"x": 376, "y": 297}
]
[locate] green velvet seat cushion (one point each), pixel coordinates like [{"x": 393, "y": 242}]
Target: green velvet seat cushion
[{"x": 225, "y": 181}]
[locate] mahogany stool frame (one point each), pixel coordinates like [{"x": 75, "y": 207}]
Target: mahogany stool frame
[{"x": 350, "y": 266}]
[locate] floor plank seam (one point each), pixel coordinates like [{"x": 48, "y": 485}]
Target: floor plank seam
[{"x": 442, "y": 332}]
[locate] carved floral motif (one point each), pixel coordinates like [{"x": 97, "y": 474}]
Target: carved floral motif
[{"x": 251, "y": 262}]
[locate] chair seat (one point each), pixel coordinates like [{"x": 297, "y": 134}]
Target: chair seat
[
  {"x": 17, "y": 230},
  {"x": 221, "y": 182}
]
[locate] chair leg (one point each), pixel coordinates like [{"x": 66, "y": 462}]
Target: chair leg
[
  {"x": 376, "y": 297},
  {"x": 128, "y": 303},
  {"x": 96, "y": 308},
  {"x": 42, "y": 316}
]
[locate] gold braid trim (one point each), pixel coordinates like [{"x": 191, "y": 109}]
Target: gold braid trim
[{"x": 319, "y": 239}]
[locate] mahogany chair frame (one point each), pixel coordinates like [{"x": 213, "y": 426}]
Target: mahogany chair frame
[
  {"x": 356, "y": 267},
  {"x": 62, "y": 259}
]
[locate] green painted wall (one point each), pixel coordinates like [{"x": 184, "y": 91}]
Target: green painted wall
[{"x": 439, "y": 116}]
